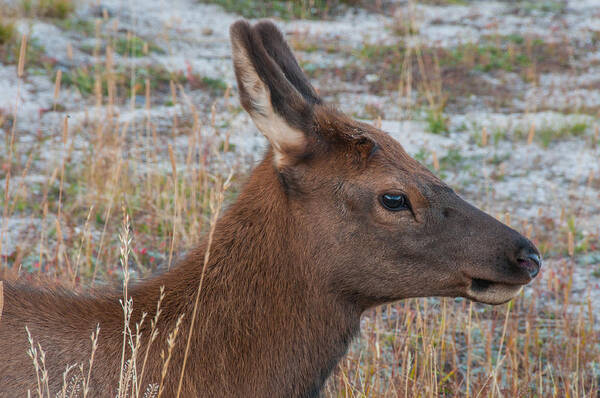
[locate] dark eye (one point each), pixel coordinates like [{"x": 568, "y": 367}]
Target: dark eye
[{"x": 394, "y": 202}]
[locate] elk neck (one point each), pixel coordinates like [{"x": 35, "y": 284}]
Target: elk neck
[{"x": 262, "y": 312}]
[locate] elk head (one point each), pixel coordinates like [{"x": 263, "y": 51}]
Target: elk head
[{"x": 382, "y": 226}]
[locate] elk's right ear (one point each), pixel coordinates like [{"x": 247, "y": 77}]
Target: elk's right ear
[{"x": 277, "y": 108}]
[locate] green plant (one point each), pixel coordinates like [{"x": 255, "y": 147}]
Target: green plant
[
  {"x": 515, "y": 38},
  {"x": 437, "y": 123},
  {"x": 7, "y": 31},
  {"x": 379, "y": 52},
  {"x": 558, "y": 130},
  {"x": 546, "y": 6},
  {"x": 452, "y": 159},
  {"x": 421, "y": 156},
  {"x": 81, "y": 78},
  {"x": 497, "y": 159},
  {"x": 134, "y": 46},
  {"x": 11, "y": 48},
  {"x": 285, "y": 9},
  {"x": 550, "y": 132},
  {"x": 59, "y": 9},
  {"x": 215, "y": 85},
  {"x": 84, "y": 79},
  {"x": 486, "y": 58},
  {"x": 444, "y": 2},
  {"x": 77, "y": 24}
]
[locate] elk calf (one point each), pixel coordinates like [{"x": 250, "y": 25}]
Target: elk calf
[{"x": 336, "y": 219}]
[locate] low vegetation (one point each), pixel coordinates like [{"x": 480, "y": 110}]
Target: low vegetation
[
  {"x": 437, "y": 123},
  {"x": 88, "y": 79},
  {"x": 285, "y": 9},
  {"x": 457, "y": 70},
  {"x": 59, "y": 9},
  {"x": 7, "y": 32},
  {"x": 550, "y": 132},
  {"x": 11, "y": 47},
  {"x": 135, "y": 47}
]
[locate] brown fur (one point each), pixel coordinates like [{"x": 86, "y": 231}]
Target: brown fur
[{"x": 296, "y": 260}]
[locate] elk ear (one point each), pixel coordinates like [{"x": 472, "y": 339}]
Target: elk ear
[
  {"x": 276, "y": 106},
  {"x": 276, "y": 46}
]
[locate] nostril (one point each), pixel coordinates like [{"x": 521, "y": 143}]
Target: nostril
[{"x": 531, "y": 262}]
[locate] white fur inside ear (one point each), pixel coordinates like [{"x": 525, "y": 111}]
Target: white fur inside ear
[{"x": 281, "y": 135}]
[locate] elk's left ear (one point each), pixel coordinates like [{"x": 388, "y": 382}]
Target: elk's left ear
[{"x": 278, "y": 109}]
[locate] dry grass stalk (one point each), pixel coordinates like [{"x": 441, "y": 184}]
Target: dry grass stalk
[
  {"x": 71, "y": 386},
  {"x": 216, "y": 205},
  {"x": 171, "y": 339},
  {"x": 148, "y": 103},
  {"x": 86, "y": 381},
  {"x": 571, "y": 244},
  {"x": 173, "y": 92},
  {"x": 126, "y": 302},
  {"x": 5, "y": 210},
  {"x": 213, "y": 114},
  {"x": 38, "y": 358},
  {"x": 469, "y": 349},
  {"x": 152, "y": 337},
  {"x": 1, "y": 299},
  {"x": 377, "y": 123},
  {"x": 84, "y": 236},
  {"x": 226, "y": 96},
  {"x": 531, "y": 133},
  {"x": 484, "y": 137},
  {"x": 69, "y": 51},
  {"x": 436, "y": 162},
  {"x": 529, "y": 231},
  {"x": 22, "y": 55},
  {"x": 175, "y": 202},
  {"x": 57, "y": 87}
]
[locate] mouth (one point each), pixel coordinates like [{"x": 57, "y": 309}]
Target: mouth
[{"x": 492, "y": 292}]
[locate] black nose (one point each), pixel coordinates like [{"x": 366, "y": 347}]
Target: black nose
[{"x": 530, "y": 261}]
